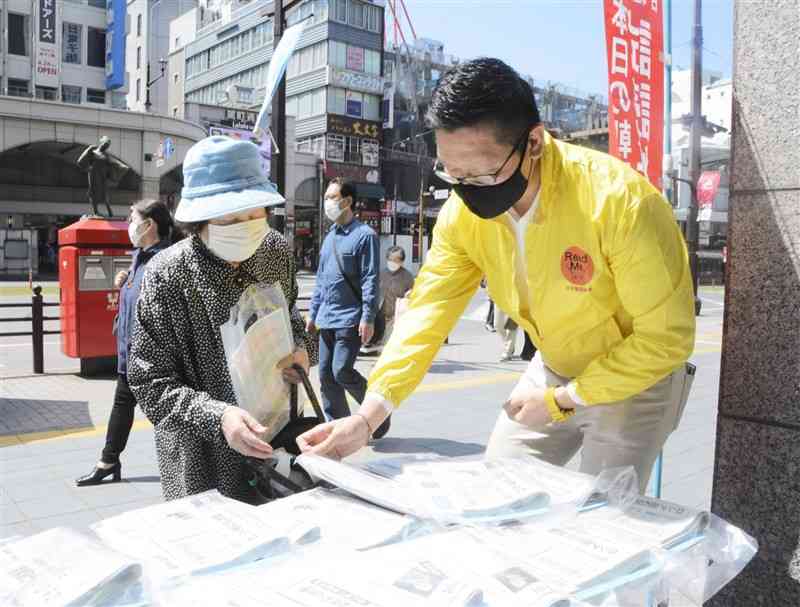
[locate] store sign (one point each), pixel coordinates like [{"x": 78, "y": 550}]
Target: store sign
[
  {"x": 370, "y": 153},
  {"x": 353, "y": 105},
  {"x": 354, "y": 81},
  {"x": 115, "y": 44},
  {"x": 264, "y": 144},
  {"x": 349, "y": 172},
  {"x": 47, "y": 61},
  {"x": 355, "y": 58},
  {"x": 342, "y": 125},
  {"x": 72, "y": 43},
  {"x": 635, "y": 52},
  {"x": 707, "y": 187}
]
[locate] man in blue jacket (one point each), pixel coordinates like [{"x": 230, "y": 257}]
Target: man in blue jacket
[{"x": 345, "y": 301}]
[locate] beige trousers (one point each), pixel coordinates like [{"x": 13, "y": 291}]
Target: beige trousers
[{"x": 626, "y": 433}]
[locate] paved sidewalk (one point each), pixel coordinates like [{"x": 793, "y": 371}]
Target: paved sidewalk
[{"x": 52, "y": 429}]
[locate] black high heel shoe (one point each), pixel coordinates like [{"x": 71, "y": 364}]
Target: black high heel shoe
[{"x": 98, "y": 474}]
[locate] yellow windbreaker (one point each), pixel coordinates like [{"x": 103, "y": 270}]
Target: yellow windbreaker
[{"x": 609, "y": 285}]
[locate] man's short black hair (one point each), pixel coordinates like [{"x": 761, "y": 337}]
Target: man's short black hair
[
  {"x": 346, "y": 188},
  {"x": 484, "y": 91}
]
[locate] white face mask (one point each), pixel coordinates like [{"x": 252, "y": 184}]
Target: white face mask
[
  {"x": 393, "y": 266},
  {"x": 135, "y": 233},
  {"x": 238, "y": 241},
  {"x": 332, "y": 210}
]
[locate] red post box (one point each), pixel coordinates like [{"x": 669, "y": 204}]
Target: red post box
[{"x": 91, "y": 253}]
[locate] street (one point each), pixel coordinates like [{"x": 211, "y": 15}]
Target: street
[{"x": 52, "y": 427}]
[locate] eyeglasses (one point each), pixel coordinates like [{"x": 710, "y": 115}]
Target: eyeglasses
[{"x": 480, "y": 180}]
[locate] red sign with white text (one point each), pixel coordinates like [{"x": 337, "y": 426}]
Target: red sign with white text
[
  {"x": 707, "y": 187},
  {"x": 634, "y": 48}
]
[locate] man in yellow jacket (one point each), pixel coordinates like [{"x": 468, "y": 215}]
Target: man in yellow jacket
[{"x": 580, "y": 250}]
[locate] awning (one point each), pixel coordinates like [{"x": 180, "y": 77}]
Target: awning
[{"x": 370, "y": 190}]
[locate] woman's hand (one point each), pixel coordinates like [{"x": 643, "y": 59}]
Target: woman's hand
[
  {"x": 241, "y": 431},
  {"x": 300, "y": 357}
]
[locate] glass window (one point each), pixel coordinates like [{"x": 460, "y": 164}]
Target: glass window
[
  {"x": 320, "y": 54},
  {"x": 139, "y": 24},
  {"x": 293, "y": 69},
  {"x": 318, "y": 102},
  {"x": 306, "y": 60},
  {"x": 372, "y": 62},
  {"x": 353, "y": 150},
  {"x": 97, "y": 3},
  {"x": 70, "y": 94},
  {"x": 95, "y": 96},
  {"x": 138, "y": 89},
  {"x": 95, "y": 47},
  {"x": 304, "y": 106},
  {"x": 336, "y": 97},
  {"x": 334, "y": 150},
  {"x": 355, "y": 58},
  {"x": 338, "y": 54},
  {"x": 372, "y": 107},
  {"x": 356, "y": 16},
  {"x": 373, "y": 19},
  {"x": 47, "y": 93},
  {"x": 18, "y": 35},
  {"x": 138, "y": 57},
  {"x": 291, "y": 106},
  {"x": 338, "y": 10},
  {"x": 71, "y": 42}
]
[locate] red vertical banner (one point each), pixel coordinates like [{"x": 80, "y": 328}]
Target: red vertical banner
[{"x": 635, "y": 52}]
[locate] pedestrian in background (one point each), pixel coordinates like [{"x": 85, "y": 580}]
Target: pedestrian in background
[
  {"x": 178, "y": 370},
  {"x": 150, "y": 230},
  {"x": 344, "y": 305},
  {"x": 396, "y": 283},
  {"x": 506, "y": 329}
]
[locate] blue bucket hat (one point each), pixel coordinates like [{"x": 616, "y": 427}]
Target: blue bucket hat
[{"x": 221, "y": 176}]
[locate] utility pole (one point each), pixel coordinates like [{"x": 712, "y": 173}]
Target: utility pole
[
  {"x": 695, "y": 149},
  {"x": 278, "y": 160}
]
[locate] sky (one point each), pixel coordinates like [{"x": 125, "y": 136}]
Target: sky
[{"x": 560, "y": 40}]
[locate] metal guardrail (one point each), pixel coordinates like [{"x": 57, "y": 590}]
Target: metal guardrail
[{"x": 37, "y": 319}]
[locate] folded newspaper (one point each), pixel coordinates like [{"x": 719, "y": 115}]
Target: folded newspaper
[
  {"x": 63, "y": 567},
  {"x": 201, "y": 533},
  {"x": 460, "y": 491},
  {"x": 344, "y": 521}
]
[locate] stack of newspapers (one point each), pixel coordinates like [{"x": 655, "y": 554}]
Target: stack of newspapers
[{"x": 401, "y": 532}]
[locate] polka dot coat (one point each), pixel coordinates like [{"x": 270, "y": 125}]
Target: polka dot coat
[{"x": 177, "y": 369}]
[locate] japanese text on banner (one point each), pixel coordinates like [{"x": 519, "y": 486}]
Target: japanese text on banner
[{"x": 634, "y": 42}]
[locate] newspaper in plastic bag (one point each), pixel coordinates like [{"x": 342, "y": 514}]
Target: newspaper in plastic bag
[
  {"x": 61, "y": 567},
  {"x": 200, "y": 533},
  {"x": 344, "y": 521},
  {"x": 464, "y": 491},
  {"x": 257, "y": 336}
]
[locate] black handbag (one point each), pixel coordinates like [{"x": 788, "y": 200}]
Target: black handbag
[
  {"x": 380, "y": 321},
  {"x": 266, "y": 480}
]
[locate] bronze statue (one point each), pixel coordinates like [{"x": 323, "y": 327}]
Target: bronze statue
[{"x": 101, "y": 167}]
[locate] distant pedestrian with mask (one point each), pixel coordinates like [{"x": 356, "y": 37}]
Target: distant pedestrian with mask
[
  {"x": 150, "y": 231},
  {"x": 345, "y": 302},
  {"x": 396, "y": 283}
]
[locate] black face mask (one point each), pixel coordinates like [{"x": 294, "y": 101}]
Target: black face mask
[{"x": 490, "y": 201}]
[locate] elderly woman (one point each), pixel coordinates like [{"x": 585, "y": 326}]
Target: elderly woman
[{"x": 178, "y": 370}]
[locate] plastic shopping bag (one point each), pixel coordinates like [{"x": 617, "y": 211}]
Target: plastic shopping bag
[{"x": 257, "y": 336}]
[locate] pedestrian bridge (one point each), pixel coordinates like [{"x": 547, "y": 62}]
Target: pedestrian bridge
[{"x": 41, "y": 140}]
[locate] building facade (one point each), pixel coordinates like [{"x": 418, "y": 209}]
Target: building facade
[
  {"x": 55, "y": 50},
  {"x": 148, "y": 45}
]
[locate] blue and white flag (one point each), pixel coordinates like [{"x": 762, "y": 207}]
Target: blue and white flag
[{"x": 277, "y": 68}]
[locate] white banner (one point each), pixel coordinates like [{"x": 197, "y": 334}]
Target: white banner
[
  {"x": 48, "y": 62},
  {"x": 277, "y": 68}
]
